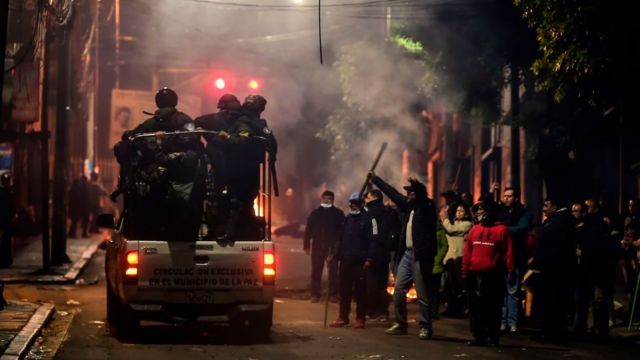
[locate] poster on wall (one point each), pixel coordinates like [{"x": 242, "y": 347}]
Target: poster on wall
[
  {"x": 6, "y": 156},
  {"x": 24, "y": 97},
  {"x": 128, "y": 106}
]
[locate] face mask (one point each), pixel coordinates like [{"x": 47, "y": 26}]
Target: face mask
[
  {"x": 326, "y": 206},
  {"x": 354, "y": 212}
]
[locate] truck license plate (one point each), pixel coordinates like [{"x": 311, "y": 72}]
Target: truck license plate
[{"x": 200, "y": 297}]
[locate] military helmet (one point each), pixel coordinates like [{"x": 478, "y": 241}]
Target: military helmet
[
  {"x": 255, "y": 103},
  {"x": 166, "y": 97},
  {"x": 228, "y": 102}
]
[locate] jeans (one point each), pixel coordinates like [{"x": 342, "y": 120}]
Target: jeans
[
  {"x": 511, "y": 305},
  {"x": 409, "y": 272}
]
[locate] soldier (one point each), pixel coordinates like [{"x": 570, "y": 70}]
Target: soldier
[
  {"x": 226, "y": 156},
  {"x": 252, "y": 108},
  {"x": 262, "y": 139},
  {"x": 162, "y": 171},
  {"x": 223, "y": 121},
  {"x": 165, "y": 119}
]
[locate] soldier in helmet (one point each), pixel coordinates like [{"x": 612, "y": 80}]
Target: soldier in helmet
[
  {"x": 229, "y": 109},
  {"x": 225, "y": 153},
  {"x": 252, "y": 109},
  {"x": 261, "y": 140},
  {"x": 166, "y": 117}
]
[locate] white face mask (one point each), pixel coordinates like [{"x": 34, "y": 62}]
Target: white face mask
[
  {"x": 354, "y": 212},
  {"x": 326, "y": 206}
]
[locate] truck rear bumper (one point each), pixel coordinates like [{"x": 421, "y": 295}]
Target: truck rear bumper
[{"x": 188, "y": 313}]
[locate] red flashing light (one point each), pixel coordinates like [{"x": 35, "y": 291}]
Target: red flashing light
[{"x": 220, "y": 83}]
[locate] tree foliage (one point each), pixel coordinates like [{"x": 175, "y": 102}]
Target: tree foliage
[{"x": 582, "y": 48}]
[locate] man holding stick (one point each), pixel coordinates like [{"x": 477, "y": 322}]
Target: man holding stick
[{"x": 415, "y": 255}]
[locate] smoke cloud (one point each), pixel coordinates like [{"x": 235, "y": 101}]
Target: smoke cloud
[{"x": 330, "y": 119}]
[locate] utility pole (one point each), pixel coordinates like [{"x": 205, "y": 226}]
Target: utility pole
[
  {"x": 96, "y": 82},
  {"x": 515, "y": 127},
  {"x": 117, "y": 68},
  {"x": 44, "y": 150},
  {"x": 61, "y": 162},
  {"x": 4, "y": 22}
]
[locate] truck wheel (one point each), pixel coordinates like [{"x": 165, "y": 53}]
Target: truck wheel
[
  {"x": 260, "y": 324},
  {"x": 112, "y": 306},
  {"x": 120, "y": 319}
]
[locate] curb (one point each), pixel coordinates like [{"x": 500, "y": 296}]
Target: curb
[
  {"x": 69, "y": 277},
  {"x": 20, "y": 344},
  {"x": 75, "y": 269}
]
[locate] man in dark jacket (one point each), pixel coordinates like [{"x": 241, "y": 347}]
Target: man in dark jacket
[
  {"x": 355, "y": 251},
  {"x": 324, "y": 227},
  {"x": 518, "y": 219},
  {"x": 555, "y": 258},
  {"x": 79, "y": 207},
  {"x": 415, "y": 255},
  {"x": 595, "y": 261},
  {"x": 378, "y": 273},
  {"x": 96, "y": 192}
]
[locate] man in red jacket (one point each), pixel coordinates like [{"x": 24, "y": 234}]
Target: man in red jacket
[{"x": 487, "y": 256}]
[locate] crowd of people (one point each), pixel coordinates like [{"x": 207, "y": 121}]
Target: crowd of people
[{"x": 478, "y": 260}]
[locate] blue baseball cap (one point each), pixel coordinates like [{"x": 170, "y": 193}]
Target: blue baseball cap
[{"x": 355, "y": 197}]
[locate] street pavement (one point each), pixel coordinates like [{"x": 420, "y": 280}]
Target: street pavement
[
  {"x": 78, "y": 330},
  {"x": 27, "y": 262}
]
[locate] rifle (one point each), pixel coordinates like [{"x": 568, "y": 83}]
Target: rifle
[
  {"x": 274, "y": 175},
  {"x": 373, "y": 168}
]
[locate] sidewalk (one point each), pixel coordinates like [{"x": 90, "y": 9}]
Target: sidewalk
[
  {"x": 20, "y": 323},
  {"x": 27, "y": 263}
]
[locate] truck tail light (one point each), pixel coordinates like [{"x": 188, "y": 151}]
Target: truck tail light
[
  {"x": 131, "y": 268},
  {"x": 269, "y": 267}
]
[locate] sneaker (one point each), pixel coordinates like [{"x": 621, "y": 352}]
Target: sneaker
[
  {"x": 503, "y": 327},
  {"x": 315, "y": 299},
  {"x": 425, "y": 334},
  {"x": 359, "y": 324},
  {"x": 513, "y": 328},
  {"x": 339, "y": 323},
  {"x": 396, "y": 329}
]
